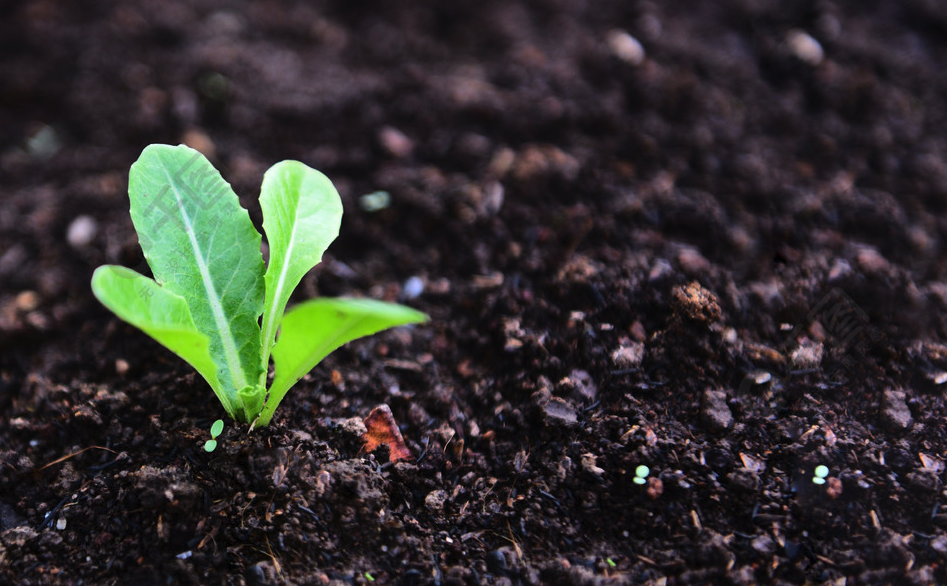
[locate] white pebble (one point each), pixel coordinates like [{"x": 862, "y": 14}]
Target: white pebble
[
  {"x": 413, "y": 287},
  {"x": 61, "y": 523},
  {"x": 625, "y": 47},
  {"x": 81, "y": 231},
  {"x": 805, "y": 47},
  {"x": 375, "y": 201}
]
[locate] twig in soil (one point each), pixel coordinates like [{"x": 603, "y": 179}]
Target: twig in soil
[
  {"x": 72, "y": 455},
  {"x": 516, "y": 546},
  {"x": 276, "y": 564},
  {"x": 696, "y": 520}
]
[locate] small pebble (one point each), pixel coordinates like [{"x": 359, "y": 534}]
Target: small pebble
[
  {"x": 696, "y": 303},
  {"x": 557, "y": 412},
  {"x": 806, "y": 48},
  {"x": 44, "y": 143},
  {"x": 714, "y": 412},
  {"x": 871, "y": 261},
  {"x": 939, "y": 544},
  {"x": 807, "y": 355},
  {"x": 895, "y": 412},
  {"x": 81, "y": 231},
  {"x": 413, "y": 288},
  {"x": 764, "y": 545},
  {"x": 121, "y": 367},
  {"x": 435, "y": 500},
  {"x": 395, "y": 142},
  {"x": 922, "y": 480},
  {"x": 200, "y": 141},
  {"x": 580, "y": 385},
  {"x": 61, "y": 523},
  {"x": 589, "y": 464},
  {"x": 628, "y": 356},
  {"x": 27, "y": 301},
  {"x": 625, "y": 47},
  {"x": 743, "y": 479},
  {"x": 375, "y": 201}
]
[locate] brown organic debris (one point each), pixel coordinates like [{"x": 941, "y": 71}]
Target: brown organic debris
[{"x": 381, "y": 429}]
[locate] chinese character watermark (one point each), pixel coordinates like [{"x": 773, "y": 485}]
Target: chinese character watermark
[{"x": 846, "y": 324}]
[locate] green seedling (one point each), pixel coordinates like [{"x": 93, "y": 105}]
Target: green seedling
[
  {"x": 215, "y": 430},
  {"x": 641, "y": 474},
  {"x": 212, "y": 301},
  {"x": 821, "y": 472}
]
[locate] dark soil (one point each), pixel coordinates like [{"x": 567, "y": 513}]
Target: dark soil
[{"x": 724, "y": 261}]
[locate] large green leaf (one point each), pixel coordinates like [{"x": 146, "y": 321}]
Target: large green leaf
[
  {"x": 159, "y": 313},
  {"x": 201, "y": 246},
  {"x": 313, "y": 329},
  {"x": 301, "y": 216}
]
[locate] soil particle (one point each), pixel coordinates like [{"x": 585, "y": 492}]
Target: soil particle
[
  {"x": 743, "y": 480},
  {"x": 923, "y": 481},
  {"x": 895, "y": 414},
  {"x": 558, "y": 412},
  {"x": 696, "y": 303},
  {"x": 167, "y": 489},
  {"x": 714, "y": 411}
]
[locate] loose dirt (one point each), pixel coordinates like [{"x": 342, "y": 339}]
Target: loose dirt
[{"x": 705, "y": 237}]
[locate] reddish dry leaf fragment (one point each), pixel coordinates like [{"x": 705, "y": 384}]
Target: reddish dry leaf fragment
[{"x": 381, "y": 429}]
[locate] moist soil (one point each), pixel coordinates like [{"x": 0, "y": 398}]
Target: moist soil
[{"x": 703, "y": 237}]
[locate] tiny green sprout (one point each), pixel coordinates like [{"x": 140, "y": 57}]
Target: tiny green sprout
[
  {"x": 369, "y": 577},
  {"x": 611, "y": 563},
  {"x": 215, "y": 430},
  {"x": 213, "y": 301},
  {"x": 641, "y": 474},
  {"x": 821, "y": 472}
]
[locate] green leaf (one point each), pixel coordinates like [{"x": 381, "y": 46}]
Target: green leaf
[
  {"x": 210, "y": 445},
  {"x": 159, "y": 313},
  {"x": 313, "y": 329},
  {"x": 217, "y": 428},
  {"x": 201, "y": 246},
  {"x": 301, "y": 216}
]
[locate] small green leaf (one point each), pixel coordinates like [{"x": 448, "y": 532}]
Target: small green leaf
[
  {"x": 313, "y": 329},
  {"x": 201, "y": 246},
  {"x": 210, "y": 445},
  {"x": 159, "y": 313},
  {"x": 217, "y": 428},
  {"x": 301, "y": 216}
]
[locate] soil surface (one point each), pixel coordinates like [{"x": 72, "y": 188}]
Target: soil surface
[{"x": 703, "y": 237}]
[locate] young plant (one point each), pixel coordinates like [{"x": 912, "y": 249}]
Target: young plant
[
  {"x": 212, "y": 301},
  {"x": 215, "y": 430}
]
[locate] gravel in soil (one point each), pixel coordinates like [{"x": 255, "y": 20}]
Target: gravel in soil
[{"x": 703, "y": 237}]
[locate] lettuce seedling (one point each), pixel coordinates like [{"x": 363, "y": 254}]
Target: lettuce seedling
[{"x": 212, "y": 301}]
